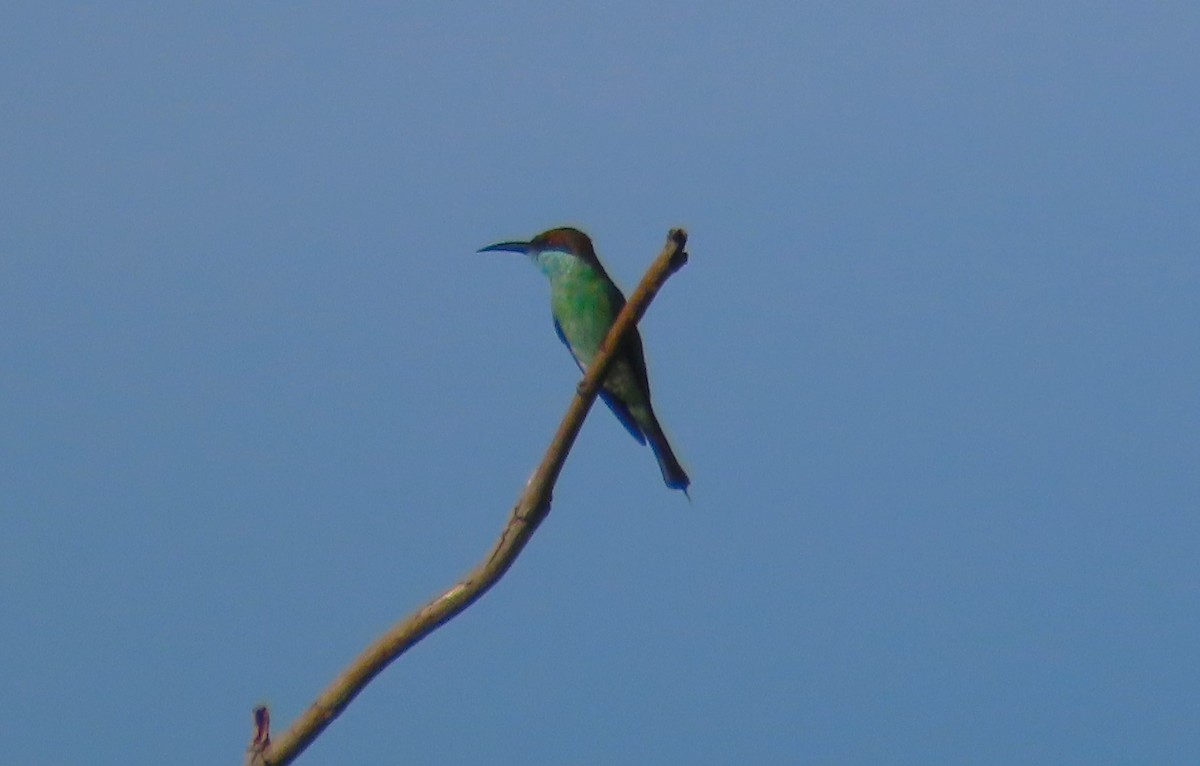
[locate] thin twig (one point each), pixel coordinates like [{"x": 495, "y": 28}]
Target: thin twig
[{"x": 531, "y": 509}]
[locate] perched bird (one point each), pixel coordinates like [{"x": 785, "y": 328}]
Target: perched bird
[{"x": 585, "y": 302}]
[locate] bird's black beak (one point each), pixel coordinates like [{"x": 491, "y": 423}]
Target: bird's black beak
[{"x": 506, "y": 247}]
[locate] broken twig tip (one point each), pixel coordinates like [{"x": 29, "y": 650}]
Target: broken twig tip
[
  {"x": 678, "y": 238},
  {"x": 262, "y": 728}
]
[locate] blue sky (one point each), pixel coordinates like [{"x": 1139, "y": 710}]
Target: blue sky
[{"x": 933, "y": 368}]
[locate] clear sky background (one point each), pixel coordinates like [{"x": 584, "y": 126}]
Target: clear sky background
[{"x": 933, "y": 367}]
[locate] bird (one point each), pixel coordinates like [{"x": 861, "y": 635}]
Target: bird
[{"x": 585, "y": 302}]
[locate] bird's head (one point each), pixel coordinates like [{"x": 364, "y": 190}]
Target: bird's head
[{"x": 563, "y": 240}]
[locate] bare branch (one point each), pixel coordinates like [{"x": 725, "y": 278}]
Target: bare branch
[{"x": 530, "y": 510}]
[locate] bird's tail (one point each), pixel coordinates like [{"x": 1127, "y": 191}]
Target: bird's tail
[{"x": 672, "y": 472}]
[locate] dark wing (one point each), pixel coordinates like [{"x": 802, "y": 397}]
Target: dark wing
[{"x": 616, "y": 405}]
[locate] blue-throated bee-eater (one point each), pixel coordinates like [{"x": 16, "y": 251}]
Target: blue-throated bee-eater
[{"x": 585, "y": 302}]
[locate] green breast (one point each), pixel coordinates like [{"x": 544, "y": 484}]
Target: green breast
[{"x": 584, "y": 305}]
